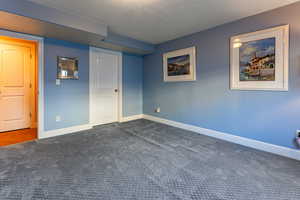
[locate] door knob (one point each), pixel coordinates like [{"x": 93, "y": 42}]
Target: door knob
[{"x": 116, "y": 90}]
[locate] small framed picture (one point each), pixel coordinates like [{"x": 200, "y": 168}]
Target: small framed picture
[
  {"x": 180, "y": 65},
  {"x": 67, "y": 68},
  {"x": 259, "y": 60}
]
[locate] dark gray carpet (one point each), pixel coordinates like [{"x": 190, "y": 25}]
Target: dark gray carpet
[{"x": 144, "y": 160}]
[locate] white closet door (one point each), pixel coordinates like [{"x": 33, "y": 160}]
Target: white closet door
[{"x": 104, "y": 88}]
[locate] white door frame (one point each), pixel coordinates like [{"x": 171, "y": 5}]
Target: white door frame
[
  {"x": 120, "y": 80},
  {"x": 40, "y": 52}
]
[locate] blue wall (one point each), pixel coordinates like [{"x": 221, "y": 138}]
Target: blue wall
[
  {"x": 132, "y": 85},
  {"x": 271, "y": 117},
  {"x": 70, "y": 100}
]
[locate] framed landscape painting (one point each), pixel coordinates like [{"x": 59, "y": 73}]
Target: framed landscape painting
[
  {"x": 259, "y": 60},
  {"x": 180, "y": 65}
]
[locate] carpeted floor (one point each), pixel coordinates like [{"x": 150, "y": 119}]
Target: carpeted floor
[{"x": 143, "y": 160}]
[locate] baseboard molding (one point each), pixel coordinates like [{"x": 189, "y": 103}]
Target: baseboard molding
[
  {"x": 64, "y": 131},
  {"x": 132, "y": 118},
  {"x": 275, "y": 149},
  {"x": 73, "y": 129}
]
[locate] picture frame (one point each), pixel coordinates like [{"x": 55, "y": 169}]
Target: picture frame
[
  {"x": 67, "y": 68},
  {"x": 260, "y": 60},
  {"x": 180, "y": 65}
]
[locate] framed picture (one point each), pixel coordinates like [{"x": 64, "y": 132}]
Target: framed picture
[
  {"x": 67, "y": 68},
  {"x": 180, "y": 65},
  {"x": 259, "y": 60}
]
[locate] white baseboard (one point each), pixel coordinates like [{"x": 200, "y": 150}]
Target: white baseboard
[
  {"x": 73, "y": 129},
  {"x": 271, "y": 148},
  {"x": 132, "y": 118},
  {"x": 64, "y": 131}
]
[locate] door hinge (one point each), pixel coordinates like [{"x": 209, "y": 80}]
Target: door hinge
[
  {"x": 30, "y": 85},
  {"x": 30, "y": 115},
  {"x": 30, "y": 56}
]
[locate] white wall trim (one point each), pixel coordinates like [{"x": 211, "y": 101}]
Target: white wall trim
[
  {"x": 120, "y": 80},
  {"x": 132, "y": 118},
  {"x": 275, "y": 149},
  {"x": 40, "y": 55},
  {"x": 120, "y": 76},
  {"x": 64, "y": 131}
]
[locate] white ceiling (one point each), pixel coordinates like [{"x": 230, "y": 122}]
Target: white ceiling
[{"x": 157, "y": 21}]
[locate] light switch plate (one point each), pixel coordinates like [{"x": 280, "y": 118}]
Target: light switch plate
[{"x": 57, "y": 118}]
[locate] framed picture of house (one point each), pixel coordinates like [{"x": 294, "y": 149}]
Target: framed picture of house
[
  {"x": 67, "y": 68},
  {"x": 180, "y": 65},
  {"x": 259, "y": 60}
]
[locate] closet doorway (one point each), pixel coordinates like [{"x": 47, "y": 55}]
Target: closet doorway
[
  {"x": 18, "y": 90},
  {"x": 105, "y": 86}
]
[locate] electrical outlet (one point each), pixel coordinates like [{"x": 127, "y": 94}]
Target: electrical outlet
[
  {"x": 57, "y": 82},
  {"x": 57, "y": 118},
  {"x": 297, "y": 139},
  {"x": 298, "y": 134},
  {"x": 157, "y": 110}
]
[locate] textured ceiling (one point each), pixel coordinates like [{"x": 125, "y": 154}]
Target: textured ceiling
[{"x": 157, "y": 21}]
